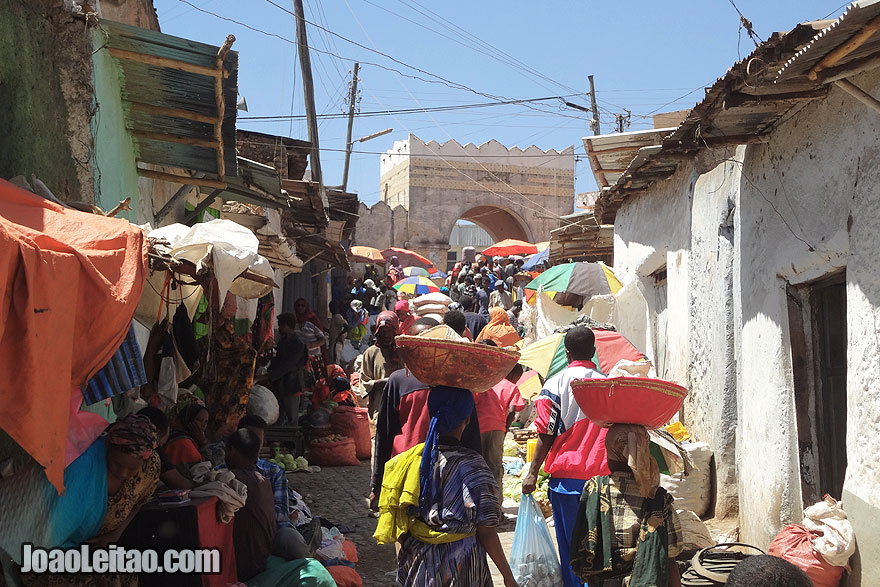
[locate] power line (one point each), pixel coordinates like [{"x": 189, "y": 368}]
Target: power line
[
  {"x": 441, "y": 79},
  {"x": 408, "y": 110}
]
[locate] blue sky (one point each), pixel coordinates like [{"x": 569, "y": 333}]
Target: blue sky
[{"x": 646, "y": 56}]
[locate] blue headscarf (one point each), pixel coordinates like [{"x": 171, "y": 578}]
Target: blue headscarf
[{"x": 448, "y": 407}]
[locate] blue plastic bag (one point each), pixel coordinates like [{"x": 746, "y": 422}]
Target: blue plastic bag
[{"x": 533, "y": 557}]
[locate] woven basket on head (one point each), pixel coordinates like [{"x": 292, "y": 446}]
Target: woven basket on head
[
  {"x": 467, "y": 365},
  {"x": 628, "y": 400}
]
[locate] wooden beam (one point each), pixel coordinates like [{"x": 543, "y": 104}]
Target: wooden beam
[
  {"x": 842, "y": 51},
  {"x": 618, "y": 149},
  {"x": 184, "y": 179},
  {"x": 851, "y": 69},
  {"x": 739, "y": 98},
  {"x": 166, "y": 62},
  {"x": 202, "y": 206},
  {"x": 858, "y": 93},
  {"x": 221, "y": 104},
  {"x": 173, "y": 112},
  {"x": 169, "y": 138}
]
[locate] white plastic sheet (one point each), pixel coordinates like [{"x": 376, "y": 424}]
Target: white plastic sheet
[{"x": 233, "y": 249}]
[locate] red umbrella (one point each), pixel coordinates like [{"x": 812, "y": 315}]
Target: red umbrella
[
  {"x": 407, "y": 258},
  {"x": 511, "y": 246}
]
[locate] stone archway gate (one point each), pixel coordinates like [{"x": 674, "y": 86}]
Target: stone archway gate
[{"x": 427, "y": 187}]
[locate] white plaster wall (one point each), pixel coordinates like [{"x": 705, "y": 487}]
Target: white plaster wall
[
  {"x": 651, "y": 232},
  {"x": 710, "y": 409},
  {"x": 818, "y": 172}
]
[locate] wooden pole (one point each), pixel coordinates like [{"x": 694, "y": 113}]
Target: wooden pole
[
  {"x": 858, "y": 93},
  {"x": 351, "y": 99},
  {"x": 305, "y": 65},
  {"x": 595, "y": 122},
  {"x": 221, "y": 106}
]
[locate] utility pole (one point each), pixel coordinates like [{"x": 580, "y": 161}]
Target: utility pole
[
  {"x": 594, "y": 124},
  {"x": 305, "y": 65},
  {"x": 351, "y": 104}
]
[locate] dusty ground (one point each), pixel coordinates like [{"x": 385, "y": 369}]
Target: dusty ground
[{"x": 340, "y": 495}]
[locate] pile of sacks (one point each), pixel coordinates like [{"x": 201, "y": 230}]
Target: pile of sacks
[{"x": 432, "y": 305}]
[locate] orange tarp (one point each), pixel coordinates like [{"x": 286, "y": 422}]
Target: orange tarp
[{"x": 69, "y": 285}]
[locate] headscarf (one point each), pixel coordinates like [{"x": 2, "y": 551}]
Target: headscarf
[
  {"x": 448, "y": 407},
  {"x": 134, "y": 434},
  {"x": 334, "y": 371},
  {"x": 369, "y": 284},
  {"x": 630, "y": 444},
  {"x": 499, "y": 330},
  {"x": 357, "y": 315},
  {"x": 307, "y": 315},
  {"x": 388, "y": 318},
  {"x": 401, "y": 305}
]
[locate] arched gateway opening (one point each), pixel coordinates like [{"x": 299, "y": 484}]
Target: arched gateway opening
[{"x": 481, "y": 226}]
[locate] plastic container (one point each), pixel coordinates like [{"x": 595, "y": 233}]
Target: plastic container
[{"x": 531, "y": 445}]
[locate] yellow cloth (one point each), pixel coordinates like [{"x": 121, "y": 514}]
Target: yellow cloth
[{"x": 400, "y": 491}]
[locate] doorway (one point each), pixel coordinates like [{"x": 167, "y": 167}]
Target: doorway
[{"x": 817, "y": 323}]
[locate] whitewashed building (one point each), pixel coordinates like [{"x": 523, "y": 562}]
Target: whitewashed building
[{"x": 748, "y": 239}]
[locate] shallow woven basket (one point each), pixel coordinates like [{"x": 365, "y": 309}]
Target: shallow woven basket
[
  {"x": 628, "y": 400},
  {"x": 467, "y": 365}
]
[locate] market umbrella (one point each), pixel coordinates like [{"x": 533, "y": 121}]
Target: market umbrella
[
  {"x": 438, "y": 275},
  {"x": 547, "y": 356},
  {"x": 417, "y": 285},
  {"x": 511, "y": 246},
  {"x": 415, "y": 271},
  {"x": 571, "y": 284},
  {"x": 407, "y": 258},
  {"x": 534, "y": 260},
  {"x": 360, "y": 254}
]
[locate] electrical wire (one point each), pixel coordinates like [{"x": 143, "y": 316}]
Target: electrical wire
[{"x": 408, "y": 110}]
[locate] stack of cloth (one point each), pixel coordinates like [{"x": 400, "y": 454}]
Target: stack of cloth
[{"x": 432, "y": 305}]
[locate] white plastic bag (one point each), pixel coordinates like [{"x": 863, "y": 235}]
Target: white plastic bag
[
  {"x": 263, "y": 403},
  {"x": 692, "y": 492},
  {"x": 837, "y": 541},
  {"x": 533, "y": 558}
]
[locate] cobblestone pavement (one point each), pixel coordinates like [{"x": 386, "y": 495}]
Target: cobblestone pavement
[{"x": 340, "y": 494}]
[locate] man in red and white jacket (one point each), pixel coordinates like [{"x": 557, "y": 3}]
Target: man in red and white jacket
[{"x": 573, "y": 446}]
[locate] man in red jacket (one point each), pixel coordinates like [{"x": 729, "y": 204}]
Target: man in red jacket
[{"x": 573, "y": 446}]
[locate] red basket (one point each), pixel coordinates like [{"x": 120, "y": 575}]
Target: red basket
[
  {"x": 628, "y": 400},
  {"x": 436, "y": 361}
]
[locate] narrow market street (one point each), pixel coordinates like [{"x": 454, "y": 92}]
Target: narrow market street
[{"x": 267, "y": 265}]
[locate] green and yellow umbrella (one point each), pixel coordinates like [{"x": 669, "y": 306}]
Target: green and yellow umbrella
[{"x": 572, "y": 284}]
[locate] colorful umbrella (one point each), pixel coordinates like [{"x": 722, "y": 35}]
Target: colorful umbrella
[
  {"x": 534, "y": 260},
  {"x": 438, "y": 275},
  {"x": 547, "y": 356},
  {"x": 417, "y": 285},
  {"x": 511, "y": 246},
  {"x": 415, "y": 271},
  {"x": 359, "y": 254},
  {"x": 572, "y": 284},
  {"x": 408, "y": 258}
]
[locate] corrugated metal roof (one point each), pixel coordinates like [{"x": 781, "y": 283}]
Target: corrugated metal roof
[
  {"x": 255, "y": 184},
  {"x": 611, "y": 154},
  {"x": 168, "y": 87},
  {"x": 744, "y": 104},
  {"x": 858, "y": 17}
]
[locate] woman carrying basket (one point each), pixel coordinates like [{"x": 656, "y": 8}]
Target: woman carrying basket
[
  {"x": 626, "y": 524},
  {"x": 441, "y": 502}
]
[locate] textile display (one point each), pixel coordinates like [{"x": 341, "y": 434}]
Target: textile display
[
  {"x": 123, "y": 372},
  {"x": 50, "y": 337},
  {"x": 223, "y": 485}
]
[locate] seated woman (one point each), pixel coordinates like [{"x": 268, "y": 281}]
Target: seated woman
[
  {"x": 457, "y": 499},
  {"x": 644, "y": 530},
  {"x": 188, "y": 438},
  {"x": 169, "y": 475},
  {"x": 98, "y": 504}
]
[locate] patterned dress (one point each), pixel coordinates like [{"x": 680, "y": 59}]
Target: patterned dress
[{"x": 467, "y": 497}]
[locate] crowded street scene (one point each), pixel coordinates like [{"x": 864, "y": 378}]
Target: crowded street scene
[{"x": 393, "y": 293}]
